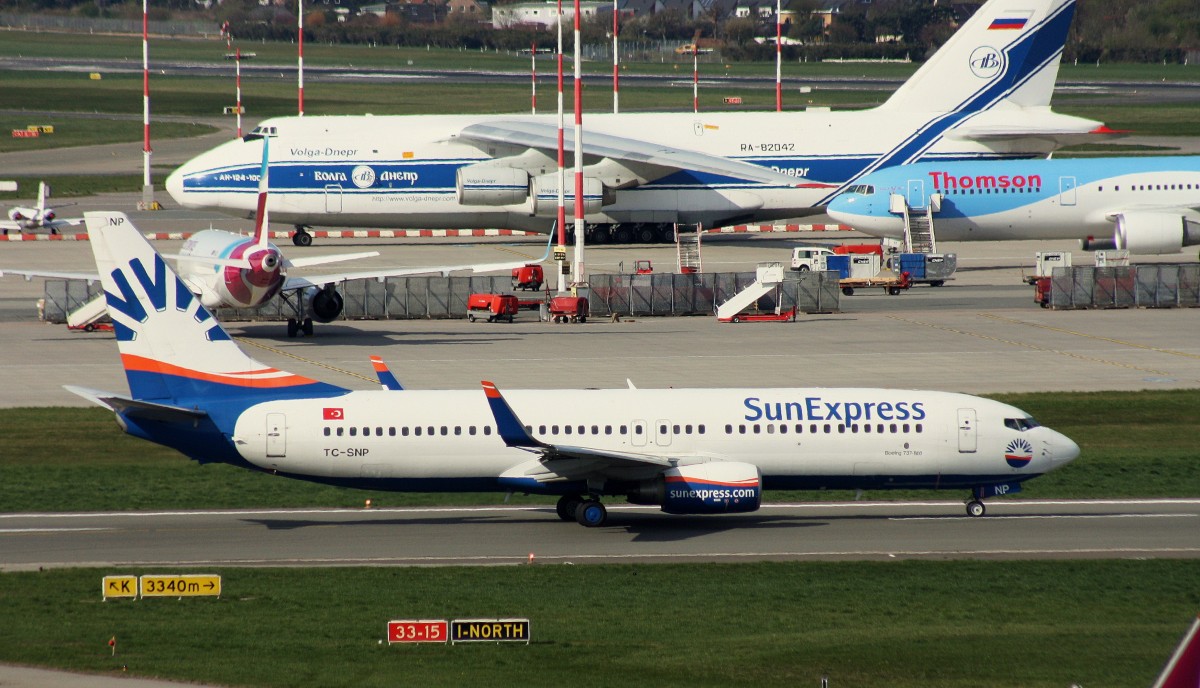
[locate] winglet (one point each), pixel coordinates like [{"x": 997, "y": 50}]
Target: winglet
[
  {"x": 1183, "y": 669},
  {"x": 384, "y": 374},
  {"x": 260, "y": 216},
  {"x": 512, "y": 431}
]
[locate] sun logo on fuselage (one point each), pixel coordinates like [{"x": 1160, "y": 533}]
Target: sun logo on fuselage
[{"x": 1018, "y": 453}]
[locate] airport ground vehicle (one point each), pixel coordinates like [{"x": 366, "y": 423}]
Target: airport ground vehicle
[
  {"x": 565, "y": 309},
  {"x": 805, "y": 258},
  {"x": 892, "y": 284},
  {"x": 492, "y": 307},
  {"x": 643, "y": 267},
  {"x": 1041, "y": 291},
  {"x": 528, "y": 277},
  {"x": 779, "y": 316}
]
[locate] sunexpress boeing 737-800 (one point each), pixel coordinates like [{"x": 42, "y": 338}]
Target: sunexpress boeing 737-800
[
  {"x": 689, "y": 451},
  {"x": 985, "y": 94},
  {"x": 1144, "y": 205}
]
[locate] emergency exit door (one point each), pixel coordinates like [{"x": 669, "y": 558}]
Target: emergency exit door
[
  {"x": 333, "y": 198},
  {"x": 967, "y": 437}
]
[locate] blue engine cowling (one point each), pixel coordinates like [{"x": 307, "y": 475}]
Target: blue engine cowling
[{"x": 717, "y": 487}]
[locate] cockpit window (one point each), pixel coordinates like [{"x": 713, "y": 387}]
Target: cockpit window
[
  {"x": 1021, "y": 424},
  {"x": 864, "y": 189},
  {"x": 260, "y": 132}
]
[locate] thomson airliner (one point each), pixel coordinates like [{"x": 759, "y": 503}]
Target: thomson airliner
[
  {"x": 1146, "y": 205},
  {"x": 985, "y": 94},
  {"x": 688, "y": 451}
]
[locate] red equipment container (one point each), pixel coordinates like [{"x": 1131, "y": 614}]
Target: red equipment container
[
  {"x": 492, "y": 306},
  {"x": 568, "y": 309},
  {"x": 528, "y": 277}
]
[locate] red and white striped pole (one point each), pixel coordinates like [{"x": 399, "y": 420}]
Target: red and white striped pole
[
  {"x": 238, "y": 61},
  {"x": 695, "y": 78},
  {"x": 561, "y": 224},
  {"x": 577, "y": 271},
  {"x": 616, "y": 79},
  {"x": 147, "y": 187},
  {"x": 533, "y": 71},
  {"x": 778, "y": 56},
  {"x": 300, "y": 55}
]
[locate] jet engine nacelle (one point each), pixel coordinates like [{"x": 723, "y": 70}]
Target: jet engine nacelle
[
  {"x": 718, "y": 487},
  {"x": 491, "y": 185},
  {"x": 323, "y": 304},
  {"x": 543, "y": 195},
  {"x": 1151, "y": 232}
]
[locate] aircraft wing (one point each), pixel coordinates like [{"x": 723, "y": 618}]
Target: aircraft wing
[
  {"x": 652, "y": 159},
  {"x": 1009, "y": 132},
  {"x": 30, "y": 274},
  {"x": 304, "y": 282},
  {"x": 140, "y": 409}
]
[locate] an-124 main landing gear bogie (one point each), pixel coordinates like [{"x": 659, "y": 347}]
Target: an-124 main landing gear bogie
[{"x": 301, "y": 237}]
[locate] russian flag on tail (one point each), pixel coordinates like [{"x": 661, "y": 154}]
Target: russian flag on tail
[{"x": 1010, "y": 21}]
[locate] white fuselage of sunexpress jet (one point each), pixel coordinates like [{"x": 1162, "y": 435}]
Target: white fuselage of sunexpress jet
[
  {"x": 984, "y": 95},
  {"x": 695, "y": 451},
  {"x": 793, "y": 438},
  {"x": 1146, "y": 205}
]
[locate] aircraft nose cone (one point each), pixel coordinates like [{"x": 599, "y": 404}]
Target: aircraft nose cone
[
  {"x": 1064, "y": 449},
  {"x": 175, "y": 186}
]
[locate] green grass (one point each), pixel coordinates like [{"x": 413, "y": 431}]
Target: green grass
[
  {"x": 87, "y": 131},
  {"x": 1135, "y": 444},
  {"x": 74, "y": 186},
  {"x": 898, "y": 624}
]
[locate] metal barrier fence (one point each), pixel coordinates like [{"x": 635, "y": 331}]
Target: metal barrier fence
[
  {"x": 1167, "y": 285},
  {"x": 402, "y": 298}
]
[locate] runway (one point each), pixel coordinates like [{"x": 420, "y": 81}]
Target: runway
[{"x": 482, "y": 536}]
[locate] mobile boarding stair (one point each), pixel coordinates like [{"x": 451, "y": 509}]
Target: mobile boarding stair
[
  {"x": 918, "y": 220},
  {"x": 769, "y": 277},
  {"x": 687, "y": 245},
  {"x": 88, "y": 316}
]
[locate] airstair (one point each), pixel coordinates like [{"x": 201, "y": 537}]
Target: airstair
[
  {"x": 88, "y": 314},
  {"x": 918, "y": 222},
  {"x": 687, "y": 244},
  {"x": 769, "y": 277}
]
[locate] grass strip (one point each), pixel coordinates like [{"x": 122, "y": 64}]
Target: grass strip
[
  {"x": 1134, "y": 444},
  {"x": 900, "y": 624}
]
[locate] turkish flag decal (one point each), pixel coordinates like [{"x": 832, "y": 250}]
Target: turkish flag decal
[{"x": 334, "y": 414}]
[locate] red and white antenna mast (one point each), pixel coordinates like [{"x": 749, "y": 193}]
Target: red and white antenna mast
[
  {"x": 778, "y": 56},
  {"x": 147, "y": 186},
  {"x": 560, "y": 251},
  {"x": 577, "y": 272},
  {"x": 300, "y": 55},
  {"x": 695, "y": 77},
  {"x": 533, "y": 71},
  {"x": 616, "y": 79}
]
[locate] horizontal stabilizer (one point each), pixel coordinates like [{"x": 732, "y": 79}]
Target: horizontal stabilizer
[{"x": 139, "y": 409}]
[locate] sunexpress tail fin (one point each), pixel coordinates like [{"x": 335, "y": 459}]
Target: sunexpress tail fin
[
  {"x": 1008, "y": 51},
  {"x": 173, "y": 350},
  {"x": 386, "y": 378}
]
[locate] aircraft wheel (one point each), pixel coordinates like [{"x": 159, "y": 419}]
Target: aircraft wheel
[
  {"x": 591, "y": 513},
  {"x": 302, "y": 238},
  {"x": 848, "y": 291},
  {"x": 975, "y": 508},
  {"x": 293, "y": 327},
  {"x": 307, "y": 327},
  {"x": 599, "y": 235},
  {"x": 622, "y": 235},
  {"x": 646, "y": 234},
  {"x": 567, "y": 504}
]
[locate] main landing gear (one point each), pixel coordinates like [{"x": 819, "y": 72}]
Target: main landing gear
[
  {"x": 301, "y": 237},
  {"x": 586, "y": 511}
]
